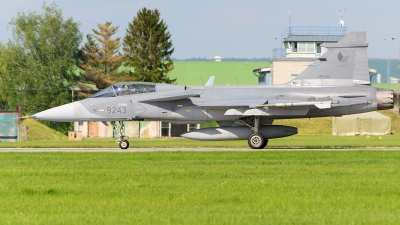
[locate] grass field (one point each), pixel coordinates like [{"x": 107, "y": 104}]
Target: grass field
[
  {"x": 278, "y": 187},
  {"x": 262, "y": 187},
  {"x": 39, "y": 132},
  {"x": 226, "y": 73}
]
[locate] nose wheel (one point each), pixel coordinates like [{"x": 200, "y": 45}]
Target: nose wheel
[
  {"x": 120, "y": 131},
  {"x": 124, "y": 144}
]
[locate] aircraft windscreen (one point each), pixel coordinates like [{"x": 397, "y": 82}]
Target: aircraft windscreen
[
  {"x": 125, "y": 88},
  {"x": 105, "y": 93}
]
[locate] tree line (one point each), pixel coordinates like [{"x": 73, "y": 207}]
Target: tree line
[{"x": 44, "y": 59}]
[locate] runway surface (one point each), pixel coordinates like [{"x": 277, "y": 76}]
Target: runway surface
[{"x": 118, "y": 150}]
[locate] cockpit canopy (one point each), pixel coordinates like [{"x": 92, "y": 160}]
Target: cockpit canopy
[
  {"x": 125, "y": 88},
  {"x": 134, "y": 87}
]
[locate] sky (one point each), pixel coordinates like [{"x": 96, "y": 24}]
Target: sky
[{"x": 229, "y": 28}]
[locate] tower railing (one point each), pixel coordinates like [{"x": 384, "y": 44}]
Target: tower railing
[
  {"x": 314, "y": 31},
  {"x": 311, "y": 30}
]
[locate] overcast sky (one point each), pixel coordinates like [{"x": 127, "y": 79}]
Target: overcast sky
[{"x": 230, "y": 28}]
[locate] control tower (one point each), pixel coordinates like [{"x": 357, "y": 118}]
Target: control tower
[{"x": 300, "y": 47}]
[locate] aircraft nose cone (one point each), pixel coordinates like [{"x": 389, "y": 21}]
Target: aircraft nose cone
[{"x": 64, "y": 113}]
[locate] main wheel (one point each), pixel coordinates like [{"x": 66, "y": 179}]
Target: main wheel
[
  {"x": 257, "y": 141},
  {"x": 124, "y": 144}
]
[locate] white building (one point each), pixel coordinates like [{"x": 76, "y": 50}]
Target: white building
[
  {"x": 301, "y": 46},
  {"x": 217, "y": 58}
]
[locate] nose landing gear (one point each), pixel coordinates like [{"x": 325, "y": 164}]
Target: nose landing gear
[
  {"x": 120, "y": 131},
  {"x": 124, "y": 144}
]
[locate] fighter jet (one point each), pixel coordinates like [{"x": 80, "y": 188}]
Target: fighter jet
[{"x": 336, "y": 84}]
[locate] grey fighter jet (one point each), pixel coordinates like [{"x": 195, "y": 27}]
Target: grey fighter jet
[{"x": 336, "y": 84}]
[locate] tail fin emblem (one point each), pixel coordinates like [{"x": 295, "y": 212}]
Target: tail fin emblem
[{"x": 343, "y": 57}]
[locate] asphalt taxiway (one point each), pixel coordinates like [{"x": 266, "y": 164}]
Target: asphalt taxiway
[{"x": 118, "y": 150}]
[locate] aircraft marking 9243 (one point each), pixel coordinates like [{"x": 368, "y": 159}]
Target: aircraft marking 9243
[{"x": 116, "y": 110}]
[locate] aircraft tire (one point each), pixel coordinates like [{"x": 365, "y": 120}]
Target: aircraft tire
[
  {"x": 124, "y": 144},
  {"x": 257, "y": 141}
]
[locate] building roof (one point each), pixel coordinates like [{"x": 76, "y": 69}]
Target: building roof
[
  {"x": 263, "y": 69},
  {"x": 314, "y": 38}
]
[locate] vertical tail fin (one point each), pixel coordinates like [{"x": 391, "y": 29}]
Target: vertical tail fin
[
  {"x": 210, "y": 81},
  {"x": 344, "y": 64}
]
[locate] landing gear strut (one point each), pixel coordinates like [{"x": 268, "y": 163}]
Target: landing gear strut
[
  {"x": 256, "y": 140},
  {"x": 120, "y": 131}
]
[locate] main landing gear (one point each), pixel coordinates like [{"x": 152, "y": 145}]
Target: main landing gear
[
  {"x": 120, "y": 131},
  {"x": 256, "y": 140}
]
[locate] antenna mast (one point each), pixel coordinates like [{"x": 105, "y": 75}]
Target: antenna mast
[{"x": 340, "y": 11}]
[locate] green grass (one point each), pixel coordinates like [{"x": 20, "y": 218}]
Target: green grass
[
  {"x": 38, "y": 131},
  {"x": 279, "y": 187},
  {"x": 196, "y": 73},
  {"x": 226, "y": 73},
  {"x": 385, "y": 85}
]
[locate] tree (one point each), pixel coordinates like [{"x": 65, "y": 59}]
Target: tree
[
  {"x": 39, "y": 67},
  {"x": 2, "y": 70},
  {"x": 148, "y": 48},
  {"x": 40, "y": 61},
  {"x": 100, "y": 60}
]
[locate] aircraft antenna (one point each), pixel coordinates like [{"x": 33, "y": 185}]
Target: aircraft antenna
[{"x": 341, "y": 21}]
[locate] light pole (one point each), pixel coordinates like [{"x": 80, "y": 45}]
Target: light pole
[
  {"x": 290, "y": 17},
  {"x": 397, "y": 83},
  {"x": 388, "y": 57}
]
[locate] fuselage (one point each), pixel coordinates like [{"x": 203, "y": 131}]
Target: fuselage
[{"x": 180, "y": 104}]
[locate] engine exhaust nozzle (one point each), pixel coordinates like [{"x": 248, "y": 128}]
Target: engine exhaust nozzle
[{"x": 384, "y": 98}]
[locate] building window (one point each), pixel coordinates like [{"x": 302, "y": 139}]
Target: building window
[
  {"x": 175, "y": 130},
  {"x": 293, "y": 46},
  {"x": 302, "y": 47},
  {"x": 261, "y": 79},
  {"x": 319, "y": 47},
  {"x": 310, "y": 47},
  {"x": 306, "y": 47},
  {"x": 165, "y": 129},
  {"x": 192, "y": 126}
]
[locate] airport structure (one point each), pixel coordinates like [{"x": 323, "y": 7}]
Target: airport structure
[
  {"x": 134, "y": 129},
  {"x": 11, "y": 127},
  {"x": 302, "y": 46}
]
